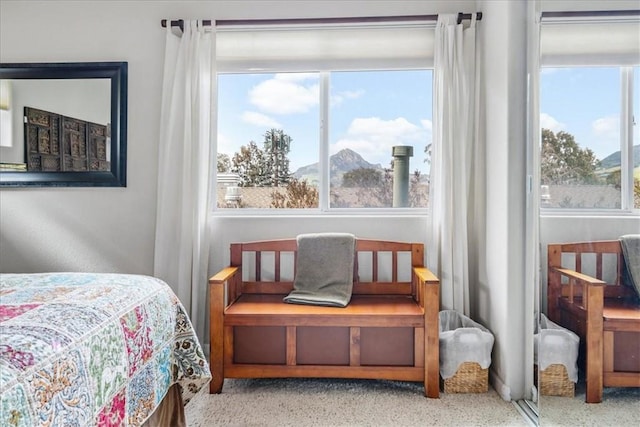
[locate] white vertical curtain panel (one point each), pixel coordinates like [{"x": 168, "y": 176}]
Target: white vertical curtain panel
[
  {"x": 186, "y": 123},
  {"x": 454, "y": 131}
]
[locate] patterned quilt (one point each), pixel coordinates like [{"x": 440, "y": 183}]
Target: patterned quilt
[{"x": 80, "y": 349}]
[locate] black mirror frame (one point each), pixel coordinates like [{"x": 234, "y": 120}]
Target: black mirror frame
[{"x": 117, "y": 73}]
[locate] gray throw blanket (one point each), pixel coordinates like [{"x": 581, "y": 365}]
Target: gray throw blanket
[
  {"x": 324, "y": 270},
  {"x": 631, "y": 251}
]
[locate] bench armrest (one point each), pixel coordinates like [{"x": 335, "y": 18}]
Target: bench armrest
[
  {"x": 586, "y": 283},
  {"x": 579, "y": 277},
  {"x": 425, "y": 275},
  {"x": 226, "y": 281},
  {"x": 223, "y": 275},
  {"x": 426, "y": 288}
]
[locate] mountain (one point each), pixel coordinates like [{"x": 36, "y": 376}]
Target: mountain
[
  {"x": 343, "y": 161},
  {"x": 613, "y": 160}
]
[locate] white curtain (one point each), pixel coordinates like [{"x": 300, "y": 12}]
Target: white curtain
[
  {"x": 452, "y": 161},
  {"x": 186, "y": 123}
]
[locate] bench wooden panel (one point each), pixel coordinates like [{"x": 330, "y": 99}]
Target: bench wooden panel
[
  {"x": 389, "y": 330},
  {"x": 606, "y": 316}
]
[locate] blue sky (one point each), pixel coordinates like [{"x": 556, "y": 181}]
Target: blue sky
[
  {"x": 372, "y": 111},
  {"x": 369, "y": 112},
  {"x": 586, "y": 103}
]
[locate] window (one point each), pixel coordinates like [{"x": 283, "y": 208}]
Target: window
[
  {"x": 589, "y": 107},
  {"x": 584, "y": 150},
  {"x": 352, "y": 134},
  {"x": 270, "y": 139}
]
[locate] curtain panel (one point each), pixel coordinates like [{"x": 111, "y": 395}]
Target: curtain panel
[
  {"x": 185, "y": 158},
  {"x": 453, "y": 162}
]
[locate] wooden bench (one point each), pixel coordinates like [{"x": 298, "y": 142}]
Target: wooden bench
[
  {"x": 389, "y": 330},
  {"x": 605, "y": 316}
]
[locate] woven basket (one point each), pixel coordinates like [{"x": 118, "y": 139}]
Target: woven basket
[
  {"x": 554, "y": 381},
  {"x": 469, "y": 378}
]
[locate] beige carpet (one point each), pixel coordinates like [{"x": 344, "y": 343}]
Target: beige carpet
[
  {"x": 619, "y": 407},
  {"x": 320, "y": 402}
]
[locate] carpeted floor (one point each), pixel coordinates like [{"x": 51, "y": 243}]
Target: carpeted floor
[
  {"x": 320, "y": 402},
  {"x": 619, "y": 407}
]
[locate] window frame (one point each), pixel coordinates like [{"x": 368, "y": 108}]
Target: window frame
[{"x": 324, "y": 188}]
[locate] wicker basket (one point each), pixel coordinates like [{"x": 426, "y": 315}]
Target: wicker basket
[
  {"x": 554, "y": 381},
  {"x": 469, "y": 378}
]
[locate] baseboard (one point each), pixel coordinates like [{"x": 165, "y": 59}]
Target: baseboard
[{"x": 499, "y": 386}]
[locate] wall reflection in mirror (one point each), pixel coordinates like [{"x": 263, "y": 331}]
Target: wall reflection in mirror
[{"x": 63, "y": 124}]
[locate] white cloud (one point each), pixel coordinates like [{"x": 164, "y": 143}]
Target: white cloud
[
  {"x": 548, "y": 122},
  {"x": 340, "y": 97},
  {"x": 259, "y": 119},
  {"x": 427, "y": 124},
  {"x": 286, "y": 94},
  {"x": 224, "y": 144},
  {"x": 608, "y": 127},
  {"x": 373, "y": 138}
]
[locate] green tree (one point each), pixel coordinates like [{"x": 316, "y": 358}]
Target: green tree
[
  {"x": 564, "y": 162},
  {"x": 224, "y": 163},
  {"x": 277, "y": 145},
  {"x": 251, "y": 166},
  {"x": 263, "y": 167},
  {"x": 362, "y": 177},
  {"x": 299, "y": 194},
  {"x": 615, "y": 179}
]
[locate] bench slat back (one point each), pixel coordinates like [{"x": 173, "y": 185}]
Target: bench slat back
[
  {"x": 600, "y": 259},
  {"x": 380, "y": 267}
]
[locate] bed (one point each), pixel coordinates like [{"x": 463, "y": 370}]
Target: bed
[{"x": 94, "y": 349}]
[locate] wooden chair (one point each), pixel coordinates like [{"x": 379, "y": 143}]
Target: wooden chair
[{"x": 606, "y": 316}]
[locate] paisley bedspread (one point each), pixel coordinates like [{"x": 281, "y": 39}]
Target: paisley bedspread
[{"x": 85, "y": 349}]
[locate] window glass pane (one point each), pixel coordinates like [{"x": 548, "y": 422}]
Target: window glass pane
[
  {"x": 371, "y": 113},
  {"x": 580, "y": 150},
  {"x": 268, "y": 128}
]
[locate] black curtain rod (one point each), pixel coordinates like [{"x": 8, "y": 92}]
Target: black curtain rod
[
  {"x": 590, "y": 13},
  {"x": 302, "y": 21}
]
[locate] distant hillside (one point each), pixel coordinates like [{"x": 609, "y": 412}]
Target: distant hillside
[
  {"x": 613, "y": 160},
  {"x": 343, "y": 161}
]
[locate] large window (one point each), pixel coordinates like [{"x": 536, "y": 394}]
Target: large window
[
  {"x": 324, "y": 116},
  {"x": 590, "y": 152},
  {"x": 324, "y": 140},
  {"x": 589, "y": 107}
]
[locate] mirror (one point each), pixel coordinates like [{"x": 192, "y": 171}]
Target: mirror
[{"x": 63, "y": 124}]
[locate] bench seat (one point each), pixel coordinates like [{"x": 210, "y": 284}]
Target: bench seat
[{"x": 363, "y": 310}]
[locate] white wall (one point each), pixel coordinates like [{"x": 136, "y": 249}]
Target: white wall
[
  {"x": 501, "y": 292},
  {"x": 112, "y": 229}
]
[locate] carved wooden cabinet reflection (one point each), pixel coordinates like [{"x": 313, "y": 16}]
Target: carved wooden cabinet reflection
[{"x": 56, "y": 143}]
